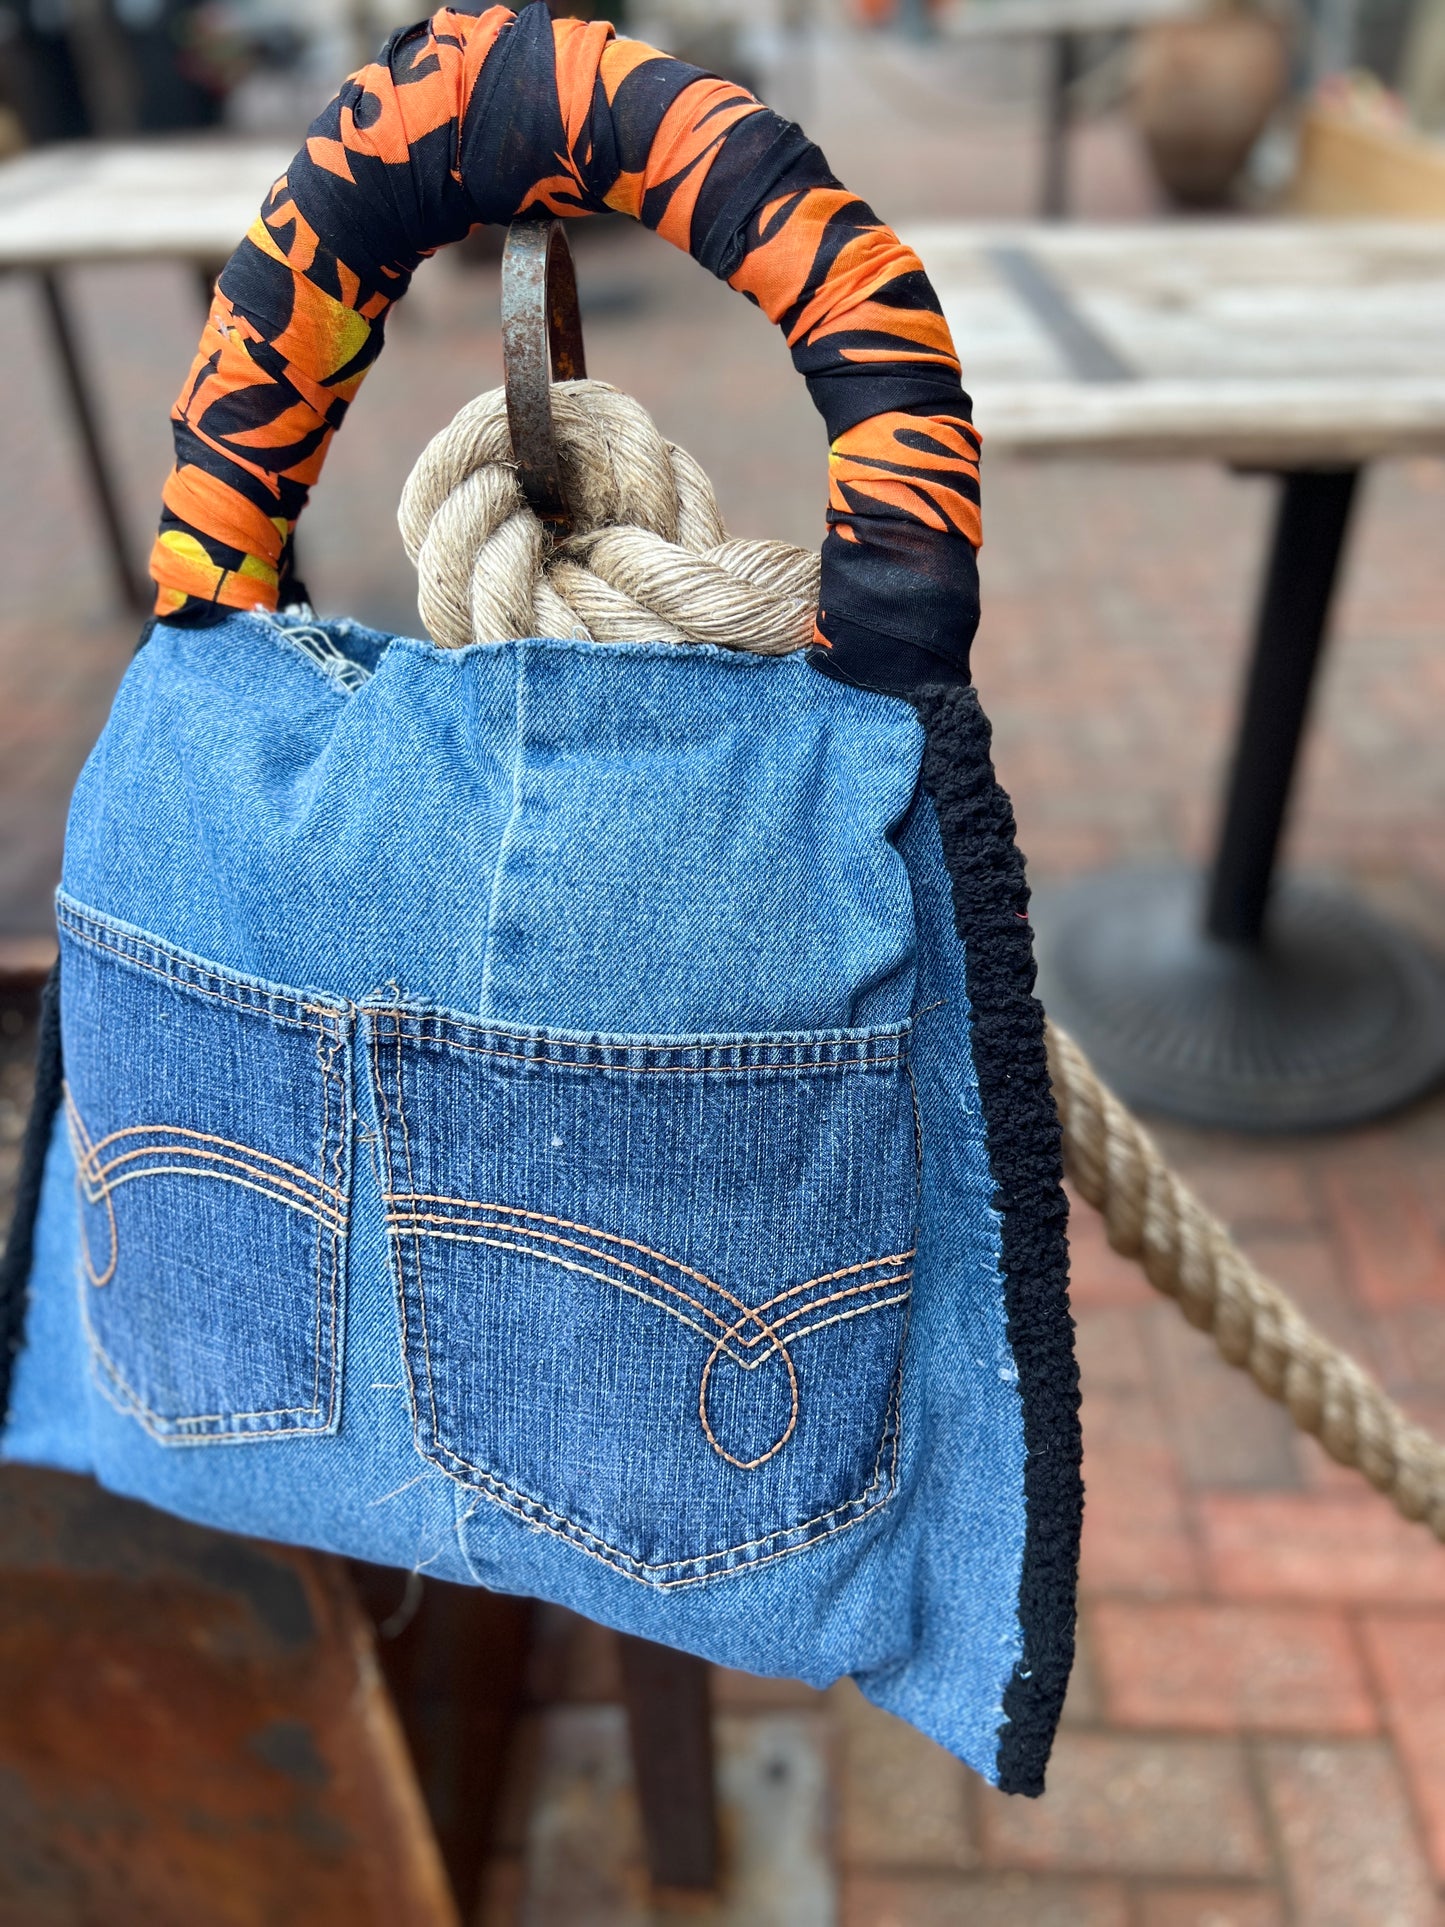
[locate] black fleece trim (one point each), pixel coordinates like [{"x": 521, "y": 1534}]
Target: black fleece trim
[
  {"x": 20, "y": 1245},
  {"x": 990, "y": 899}
]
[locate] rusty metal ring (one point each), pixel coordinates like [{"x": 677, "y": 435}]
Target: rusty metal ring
[{"x": 541, "y": 343}]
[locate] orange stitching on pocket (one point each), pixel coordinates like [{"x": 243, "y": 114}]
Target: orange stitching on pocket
[
  {"x": 76, "y": 1124},
  {"x": 826, "y": 1278},
  {"x": 840, "y": 1317},
  {"x": 632, "y": 1568},
  {"x": 772, "y": 1332},
  {"x": 210, "y": 1137},
  {"x": 615, "y": 1238},
  {"x": 286, "y": 1199},
  {"x": 749, "y": 1465},
  {"x": 833, "y": 1297},
  {"x": 415, "y": 1219},
  {"x": 98, "y": 1185},
  {"x": 407, "y": 1229},
  {"x": 568, "y": 1264}
]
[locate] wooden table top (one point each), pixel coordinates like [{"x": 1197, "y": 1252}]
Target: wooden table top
[
  {"x": 189, "y": 200},
  {"x": 1259, "y": 342},
  {"x": 1002, "y": 19}
]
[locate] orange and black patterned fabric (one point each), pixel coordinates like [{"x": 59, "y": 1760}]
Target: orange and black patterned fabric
[{"x": 481, "y": 116}]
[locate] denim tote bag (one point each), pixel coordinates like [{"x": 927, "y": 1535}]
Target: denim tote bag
[{"x": 560, "y": 1115}]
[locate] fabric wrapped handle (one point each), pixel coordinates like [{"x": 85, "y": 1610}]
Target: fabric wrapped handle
[{"x": 475, "y": 118}]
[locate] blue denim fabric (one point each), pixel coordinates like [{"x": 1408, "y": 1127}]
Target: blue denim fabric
[
  {"x": 521, "y": 1124},
  {"x": 209, "y": 1126}
]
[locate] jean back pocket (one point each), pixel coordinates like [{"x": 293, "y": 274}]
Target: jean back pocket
[
  {"x": 653, "y": 1292},
  {"x": 209, "y": 1116}
]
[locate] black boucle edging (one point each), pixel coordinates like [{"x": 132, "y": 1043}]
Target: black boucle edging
[
  {"x": 20, "y": 1245},
  {"x": 990, "y": 899}
]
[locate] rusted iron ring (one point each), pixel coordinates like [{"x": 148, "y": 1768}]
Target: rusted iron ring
[{"x": 541, "y": 343}]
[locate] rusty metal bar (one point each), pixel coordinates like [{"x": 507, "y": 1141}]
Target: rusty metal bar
[{"x": 541, "y": 343}]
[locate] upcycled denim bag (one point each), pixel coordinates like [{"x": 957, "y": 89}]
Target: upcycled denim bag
[{"x": 569, "y": 1117}]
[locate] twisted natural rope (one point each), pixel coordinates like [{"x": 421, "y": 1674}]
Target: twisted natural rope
[
  {"x": 648, "y": 557},
  {"x": 652, "y": 562},
  {"x": 1152, "y": 1216}
]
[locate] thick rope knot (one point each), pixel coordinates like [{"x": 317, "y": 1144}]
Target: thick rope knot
[{"x": 648, "y": 559}]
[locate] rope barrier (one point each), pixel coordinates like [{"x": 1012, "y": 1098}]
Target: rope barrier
[
  {"x": 1152, "y": 1216},
  {"x": 649, "y": 560}
]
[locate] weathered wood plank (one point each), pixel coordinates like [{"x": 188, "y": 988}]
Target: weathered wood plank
[
  {"x": 1249, "y": 342},
  {"x": 179, "y": 200},
  {"x": 1003, "y": 19},
  {"x": 1262, "y": 424}
]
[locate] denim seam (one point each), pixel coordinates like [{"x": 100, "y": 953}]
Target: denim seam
[
  {"x": 340, "y": 1155},
  {"x": 514, "y": 816},
  {"x": 136, "y": 1407},
  {"x": 662, "y": 1070},
  {"x": 503, "y": 1493},
  {"x": 840, "y": 1040},
  {"x": 172, "y": 1431},
  {"x": 613, "y": 1555},
  {"x": 394, "y": 1249},
  {"x": 183, "y": 974},
  {"x": 917, "y": 1132}
]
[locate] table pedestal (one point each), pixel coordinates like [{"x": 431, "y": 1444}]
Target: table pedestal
[{"x": 1238, "y": 1000}]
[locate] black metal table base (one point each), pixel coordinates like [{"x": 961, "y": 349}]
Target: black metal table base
[
  {"x": 1238, "y": 999},
  {"x": 1335, "y": 1016}
]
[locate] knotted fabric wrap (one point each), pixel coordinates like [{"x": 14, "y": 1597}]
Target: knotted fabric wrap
[{"x": 480, "y": 117}]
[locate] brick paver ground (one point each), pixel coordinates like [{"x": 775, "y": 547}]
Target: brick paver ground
[{"x": 1256, "y": 1733}]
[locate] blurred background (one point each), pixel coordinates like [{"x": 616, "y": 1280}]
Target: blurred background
[{"x": 1219, "y": 194}]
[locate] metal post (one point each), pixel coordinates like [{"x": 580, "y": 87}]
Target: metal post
[
  {"x": 134, "y": 590},
  {"x": 1063, "y": 66},
  {"x": 1309, "y": 535},
  {"x": 1255, "y": 1002},
  {"x": 669, "y": 1718}
]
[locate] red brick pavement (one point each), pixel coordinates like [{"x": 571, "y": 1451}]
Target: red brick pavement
[{"x": 1257, "y": 1728}]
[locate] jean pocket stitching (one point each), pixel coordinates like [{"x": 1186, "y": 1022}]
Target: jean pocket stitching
[
  {"x": 327, "y": 1046},
  {"x": 787, "y": 1067},
  {"x": 397, "y": 1245},
  {"x": 769, "y": 1331},
  {"x": 833, "y": 1051},
  {"x": 724, "y": 1562},
  {"x": 186, "y": 972},
  {"x": 861, "y": 1506},
  {"x": 165, "y": 1431},
  {"x": 324, "y": 1202}
]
